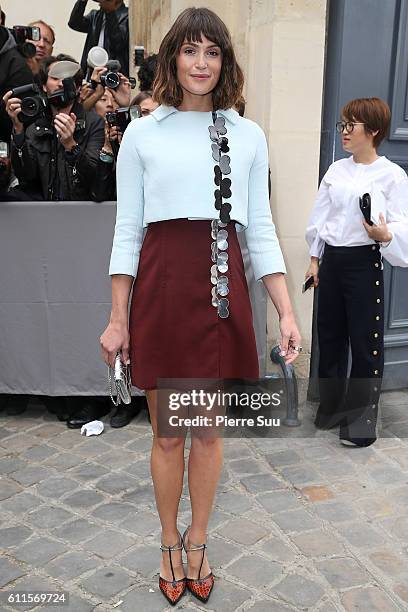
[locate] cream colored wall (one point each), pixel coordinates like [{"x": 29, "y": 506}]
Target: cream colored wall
[
  {"x": 280, "y": 45},
  {"x": 54, "y": 12}
]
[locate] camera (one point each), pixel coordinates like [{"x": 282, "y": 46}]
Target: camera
[
  {"x": 121, "y": 117},
  {"x": 111, "y": 78},
  {"x": 23, "y": 33},
  {"x": 33, "y": 103},
  {"x": 63, "y": 97}
]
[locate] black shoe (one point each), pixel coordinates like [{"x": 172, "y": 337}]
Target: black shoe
[
  {"x": 124, "y": 413},
  {"x": 347, "y": 440},
  {"x": 89, "y": 411},
  {"x": 17, "y": 404}
]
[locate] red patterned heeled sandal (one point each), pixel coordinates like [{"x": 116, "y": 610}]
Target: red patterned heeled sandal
[
  {"x": 200, "y": 587},
  {"x": 174, "y": 589}
]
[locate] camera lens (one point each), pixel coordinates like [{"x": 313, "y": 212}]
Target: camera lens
[
  {"x": 112, "y": 80},
  {"x": 30, "y": 107}
]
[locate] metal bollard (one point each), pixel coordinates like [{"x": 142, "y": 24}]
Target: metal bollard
[{"x": 291, "y": 388}]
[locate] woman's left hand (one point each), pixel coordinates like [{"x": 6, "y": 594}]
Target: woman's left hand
[
  {"x": 379, "y": 232},
  {"x": 290, "y": 338}
]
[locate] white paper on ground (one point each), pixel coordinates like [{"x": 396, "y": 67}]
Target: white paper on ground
[{"x": 93, "y": 428}]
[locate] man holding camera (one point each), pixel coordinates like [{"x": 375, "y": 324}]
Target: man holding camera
[
  {"x": 107, "y": 27},
  {"x": 55, "y": 157}
]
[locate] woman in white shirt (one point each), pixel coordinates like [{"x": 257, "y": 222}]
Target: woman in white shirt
[
  {"x": 350, "y": 278},
  {"x": 190, "y": 314}
]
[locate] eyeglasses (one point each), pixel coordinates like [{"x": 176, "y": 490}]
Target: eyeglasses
[{"x": 347, "y": 125}]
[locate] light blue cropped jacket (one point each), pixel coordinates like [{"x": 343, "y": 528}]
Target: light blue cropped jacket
[{"x": 165, "y": 170}]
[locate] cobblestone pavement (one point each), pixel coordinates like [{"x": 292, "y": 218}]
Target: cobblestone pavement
[{"x": 300, "y": 523}]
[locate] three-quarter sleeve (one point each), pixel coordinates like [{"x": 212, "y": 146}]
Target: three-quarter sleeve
[
  {"x": 396, "y": 252},
  {"x": 317, "y": 219},
  {"x": 263, "y": 245},
  {"x": 128, "y": 236}
]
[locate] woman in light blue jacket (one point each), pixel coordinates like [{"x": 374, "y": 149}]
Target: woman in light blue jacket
[{"x": 192, "y": 173}]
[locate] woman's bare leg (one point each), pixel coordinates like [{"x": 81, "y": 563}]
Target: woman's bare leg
[
  {"x": 204, "y": 470},
  {"x": 167, "y": 468}
]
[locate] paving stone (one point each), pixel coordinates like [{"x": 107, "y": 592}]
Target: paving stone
[
  {"x": 92, "y": 447},
  {"x": 11, "y": 464},
  {"x": 279, "y": 550},
  {"x": 85, "y": 498},
  {"x": 392, "y": 563},
  {"x": 318, "y": 543},
  {"x": 64, "y": 461},
  {"x": 48, "y": 517},
  {"x": 117, "y": 483},
  {"x": 56, "y": 487},
  {"x": 372, "y": 599},
  {"x": 334, "y": 470},
  {"x": 318, "y": 493},
  {"x": 140, "y": 469},
  {"x": 300, "y": 475},
  {"x": 343, "y": 572},
  {"x": 71, "y": 565},
  {"x": 8, "y": 488},
  {"x": 285, "y": 457},
  {"x": 246, "y": 466},
  {"x": 39, "y": 551},
  {"x": 9, "y": 572},
  {"x": 221, "y": 552},
  {"x": 402, "y": 591},
  {"x": 78, "y": 604},
  {"x": 235, "y": 503},
  {"x": 89, "y": 471},
  {"x": 39, "y": 453},
  {"x": 18, "y": 442},
  {"x": 32, "y": 474},
  {"x": 146, "y": 597},
  {"x": 77, "y": 531},
  {"x": 243, "y": 531},
  {"x": 21, "y": 502},
  {"x": 296, "y": 520},
  {"x": 276, "y": 501},
  {"x": 144, "y": 560},
  {"x": 361, "y": 535},
  {"x": 256, "y": 571},
  {"x": 46, "y": 431},
  {"x": 107, "y": 581},
  {"x": 114, "y": 511},
  {"x": 261, "y": 483},
  {"x": 299, "y": 590},
  {"x": 141, "y": 445},
  {"x": 235, "y": 450},
  {"x": 377, "y": 506},
  {"x": 227, "y": 597},
  {"x": 109, "y": 543},
  {"x": 388, "y": 474},
  {"x": 116, "y": 458},
  {"x": 118, "y": 437},
  {"x": 142, "y": 523},
  {"x": 269, "y": 605},
  {"x": 13, "y": 536},
  {"x": 335, "y": 512},
  {"x": 68, "y": 439},
  {"x": 143, "y": 495},
  {"x": 5, "y": 433}
]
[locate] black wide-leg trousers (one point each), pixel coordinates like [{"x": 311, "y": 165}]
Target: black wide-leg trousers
[{"x": 351, "y": 316}]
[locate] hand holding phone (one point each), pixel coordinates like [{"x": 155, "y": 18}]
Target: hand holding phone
[
  {"x": 365, "y": 207},
  {"x": 307, "y": 284}
]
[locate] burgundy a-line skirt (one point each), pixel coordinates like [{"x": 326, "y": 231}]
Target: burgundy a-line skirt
[{"x": 175, "y": 332}]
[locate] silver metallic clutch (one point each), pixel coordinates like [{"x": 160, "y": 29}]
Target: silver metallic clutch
[{"x": 120, "y": 383}]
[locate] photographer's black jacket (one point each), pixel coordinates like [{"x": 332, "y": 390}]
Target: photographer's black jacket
[
  {"x": 14, "y": 72},
  {"x": 44, "y": 168},
  {"x": 116, "y": 32}
]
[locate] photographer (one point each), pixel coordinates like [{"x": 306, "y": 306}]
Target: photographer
[
  {"x": 14, "y": 72},
  {"x": 121, "y": 94},
  {"x": 55, "y": 157},
  {"x": 107, "y": 27}
]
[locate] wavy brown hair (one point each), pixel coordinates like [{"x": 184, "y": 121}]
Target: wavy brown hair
[{"x": 190, "y": 26}]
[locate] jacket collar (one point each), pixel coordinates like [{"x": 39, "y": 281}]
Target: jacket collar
[{"x": 164, "y": 111}]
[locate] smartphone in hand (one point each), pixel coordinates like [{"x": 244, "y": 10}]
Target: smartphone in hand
[{"x": 307, "y": 284}]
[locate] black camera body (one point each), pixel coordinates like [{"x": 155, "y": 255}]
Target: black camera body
[
  {"x": 33, "y": 103},
  {"x": 111, "y": 79},
  {"x": 23, "y": 33},
  {"x": 121, "y": 117},
  {"x": 63, "y": 97}
]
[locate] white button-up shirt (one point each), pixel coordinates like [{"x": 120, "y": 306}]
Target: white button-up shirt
[{"x": 336, "y": 217}]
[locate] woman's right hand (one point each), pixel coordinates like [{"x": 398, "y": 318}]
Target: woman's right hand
[
  {"x": 313, "y": 270},
  {"x": 115, "y": 339}
]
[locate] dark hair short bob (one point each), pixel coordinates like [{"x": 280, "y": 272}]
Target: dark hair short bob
[
  {"x": 189, "y": 26},
  {"x": 373, "y": 112}
]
